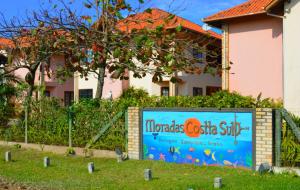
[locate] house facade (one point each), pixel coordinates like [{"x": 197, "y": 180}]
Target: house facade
[
  {"x": 260, "y": 41},
  {"x": 252, "y": 49},
  {"x": 62, "y": 90},
  {"x": 87, "y": 87},
  {"x": 203, "y": 84},
  {"x": 77, "y": 87},
  {"x": 191, "y": 84}
]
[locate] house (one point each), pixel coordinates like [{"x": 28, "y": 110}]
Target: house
[
  {"x": 260, "y": 44},
  {"x": 62, "y": 90},
  {"x": 203, "y": 84},
  {"x": 252, "y": 49},
  {"x": 78, "y": 87}
]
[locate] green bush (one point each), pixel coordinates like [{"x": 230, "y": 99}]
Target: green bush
[
  {"x": 48, "y": 121},
  {"x": 290, "y": 146}
]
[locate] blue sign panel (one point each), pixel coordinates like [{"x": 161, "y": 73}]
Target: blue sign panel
[{"x": 212, "y": 138}]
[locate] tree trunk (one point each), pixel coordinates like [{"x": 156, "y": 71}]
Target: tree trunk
[
  {"x": 100, "y": 85},
  {"x": 27, "y": 109},
  {"x": 42, "y": 81},
  {"x": 101, "y": 73}
]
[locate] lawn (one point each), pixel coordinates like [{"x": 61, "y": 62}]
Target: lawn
[{"x": 71, "y": 173}]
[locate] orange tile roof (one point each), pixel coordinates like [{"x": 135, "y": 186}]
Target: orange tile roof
[
  {"x": 156, "y": 18},
  {"x": 251, "y": 7},
  {"x": 4, "y": 42}
]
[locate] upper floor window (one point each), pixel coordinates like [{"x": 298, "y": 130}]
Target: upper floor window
[
  {"x": 198, "y": 54},
  {"x": 89, "y": 56}
]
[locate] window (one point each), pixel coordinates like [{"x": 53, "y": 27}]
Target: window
[
  {"x": 212, "y": 89},
  {"x": 85, "y": 93},
  {"x": 3, "y": 60},
  {"x": 165, "y": 91},
  {"x": 197, "y": 53},
  {"x": 197, "y": 91},
  {"x": 89, "y": 56},
  {"x": 69, "y": 97},
  {"x": 47, "y": 93}
]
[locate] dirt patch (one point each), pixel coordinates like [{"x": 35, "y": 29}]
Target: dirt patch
[{"x": 11, "y": 185}]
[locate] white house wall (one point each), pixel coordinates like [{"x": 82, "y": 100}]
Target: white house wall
[
  {"x": 185, "y": 89},
  {"x": 292, "y": 56},
  {"x": 146, "y": 84}
]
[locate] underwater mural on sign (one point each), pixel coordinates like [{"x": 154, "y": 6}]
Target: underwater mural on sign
[{"x": 198, "y": 137}]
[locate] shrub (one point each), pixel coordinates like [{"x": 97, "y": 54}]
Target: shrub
[
  {"x": 290, "y": 146},
  {"x": 48, "y": 122}
]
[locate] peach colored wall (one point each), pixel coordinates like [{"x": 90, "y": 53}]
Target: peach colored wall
[
  {"x": 255, "y": 49},
  {"x": 56, "y": 89},
  {"x": 113, "y": 85}
]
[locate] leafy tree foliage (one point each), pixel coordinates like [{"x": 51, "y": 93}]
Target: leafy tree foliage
[{"x": 107, "y": 40}]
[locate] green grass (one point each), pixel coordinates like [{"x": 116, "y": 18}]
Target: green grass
[{"x": 71, "y": 173}]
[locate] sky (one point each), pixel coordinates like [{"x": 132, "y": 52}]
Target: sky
[{"x": 193, "y": 10}]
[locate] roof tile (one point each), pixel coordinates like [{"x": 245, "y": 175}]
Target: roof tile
[
  {"x": 250, "y": 7},
  {"x": 156, "y": 18}
]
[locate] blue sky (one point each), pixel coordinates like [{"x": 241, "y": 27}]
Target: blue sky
[{"x": 193, "y": 10}]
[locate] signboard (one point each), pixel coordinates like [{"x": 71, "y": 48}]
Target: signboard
[{"x": 212, "y": 138}]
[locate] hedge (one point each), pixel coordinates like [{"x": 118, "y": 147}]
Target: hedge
[{"x": 48, "y": 122}]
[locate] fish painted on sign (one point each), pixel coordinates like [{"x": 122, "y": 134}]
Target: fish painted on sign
[
  {"x": 228, "y": 163},
  {"x": 230, "y": 151},
  {"x": 189, "y": 157},
  {"x": 151, "y": 156},
  {"x": 191, "y": 149},
  {"x": 213, "y": 156},
  {"x": 162, "y": 156},
  {"x": 207, "y": 152},
  {"x": 172, "y": 149},
  {"x": 152, "y": 148},
  {"x": 197, "y": 160},
  {"x": 177, "y": 150}
]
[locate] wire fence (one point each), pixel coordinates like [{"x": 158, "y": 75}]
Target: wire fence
[{"x": 78, "y": 126}]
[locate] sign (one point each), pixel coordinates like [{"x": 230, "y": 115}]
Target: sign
[{"x": 212, "y": 138}]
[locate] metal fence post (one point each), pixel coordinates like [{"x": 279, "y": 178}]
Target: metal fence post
[
  {"x": 70, "y": 118},
  {"x": 278, "y": 128},
  {"x": 26, "y": 122}
]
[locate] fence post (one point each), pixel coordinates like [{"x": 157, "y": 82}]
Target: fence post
[
  {"x": 70, "y": 126},
  {"x": 26, "y": 122},
  {"x": 278, "y": 124}
]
